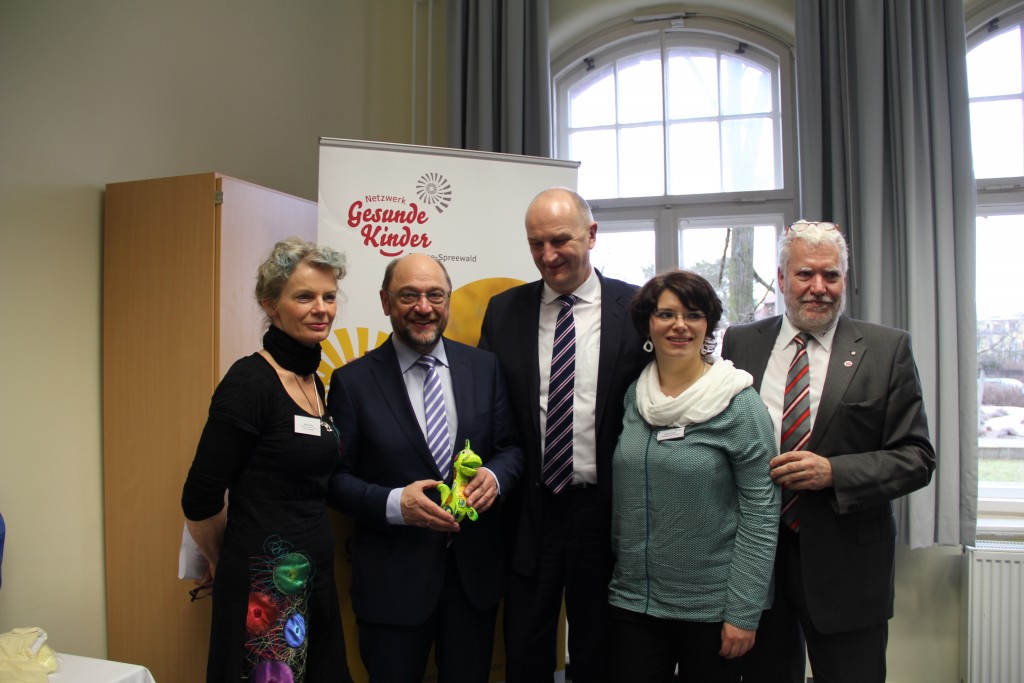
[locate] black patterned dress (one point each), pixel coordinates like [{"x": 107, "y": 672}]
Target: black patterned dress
[{"x": 275, "y": 609}]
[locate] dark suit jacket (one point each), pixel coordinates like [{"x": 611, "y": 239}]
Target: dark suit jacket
[
  {"x": 398, "y": 571},
  {"x": 510, "y": 330},
  {"x": 871, "y": 425}
]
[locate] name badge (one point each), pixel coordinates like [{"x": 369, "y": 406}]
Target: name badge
[
  {"x": 307, "y": 425},
  {"x": 669, "y": 434}
]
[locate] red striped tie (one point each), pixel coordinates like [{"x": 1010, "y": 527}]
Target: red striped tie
[{"x": 796, "y": 420}]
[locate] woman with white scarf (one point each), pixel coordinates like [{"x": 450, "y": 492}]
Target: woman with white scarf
[{"x": 695, "y": 513}]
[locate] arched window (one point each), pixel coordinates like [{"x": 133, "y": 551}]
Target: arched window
[
  {"x": 994, "y": 74},
  {"x": 674, "y": 113},
  {"x": 684, "y": 128}
]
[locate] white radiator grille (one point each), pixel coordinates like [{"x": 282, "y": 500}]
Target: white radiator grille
[{"x": 993, "y": 595}]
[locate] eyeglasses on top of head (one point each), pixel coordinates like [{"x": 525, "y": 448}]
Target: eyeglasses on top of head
[
  {"x": 409, "y": 297},
  {"x": 666, "y": 315},
  {"x": 800, "y": 226}
]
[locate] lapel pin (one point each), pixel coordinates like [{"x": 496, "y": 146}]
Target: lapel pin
[{"x": 848, "y": 363}]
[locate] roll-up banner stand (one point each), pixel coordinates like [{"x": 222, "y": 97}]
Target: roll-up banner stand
[{"x": 379, "y": 201}]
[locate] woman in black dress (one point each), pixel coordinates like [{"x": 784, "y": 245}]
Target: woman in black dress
[{"x": 269, "y": 446}]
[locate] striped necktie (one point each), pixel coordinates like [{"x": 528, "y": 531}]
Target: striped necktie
[
  {"x": 557, "y": 470},
  {"x": 796, "y": 420},
  {"x": 436, "y": 416}
]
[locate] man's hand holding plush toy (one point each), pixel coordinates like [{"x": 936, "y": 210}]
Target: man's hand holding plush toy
[{"x": 473, "y": 490}]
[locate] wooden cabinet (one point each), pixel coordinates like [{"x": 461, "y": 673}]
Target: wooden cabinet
[{"x": 179, "y": 265}]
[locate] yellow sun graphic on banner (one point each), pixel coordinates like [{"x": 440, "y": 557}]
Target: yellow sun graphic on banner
[
  {"x": 468, "y": 305},
  {"x": 347, "y": 345}
]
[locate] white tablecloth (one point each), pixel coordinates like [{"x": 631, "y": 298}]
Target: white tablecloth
[{"x": 74, "y": 669}]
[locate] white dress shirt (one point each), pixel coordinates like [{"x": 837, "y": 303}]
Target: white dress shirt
[
  {"x": 414, "y": 377},
  {"x": 773, "y": 384}
]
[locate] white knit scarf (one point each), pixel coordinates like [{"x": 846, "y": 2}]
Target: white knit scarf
[{"x": 701, "y": 401}]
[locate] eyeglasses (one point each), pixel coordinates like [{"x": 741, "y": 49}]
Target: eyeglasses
[
  {"x": 667, "y": 316},
  {"x": 800, "y": 226},
  {"x": 408, "y": 297},
  {"x": 200, "y": 593}
]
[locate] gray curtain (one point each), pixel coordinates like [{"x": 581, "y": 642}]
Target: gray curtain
[
  {"x": 885, "y": 152},
  {"x": 499, "y": 76}
]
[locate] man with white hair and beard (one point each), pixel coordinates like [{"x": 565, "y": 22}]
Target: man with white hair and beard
[{"x": 849, "y": 417}]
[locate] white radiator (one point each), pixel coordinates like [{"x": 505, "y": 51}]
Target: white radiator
[{"x": 993, "y": 613}]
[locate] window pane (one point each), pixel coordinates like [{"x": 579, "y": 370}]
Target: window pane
[
  {"x": 739, "y": 262},
  {"x": 595, "y": 150},
  {"x": 1000, "y": 245},
  {"x": 592, "y": 100},
  {"x": 625, "y": 254},
  {"x": 693, "y": 158},
  {"x": 993, "y": 68},
  {"x": 658, "y": 100},
  {"x": 997, "y": 141},
  {"x": 641, "y": 162},
  {"x": 748, "y": 155},
  {"x": 692, "y": 84},
  {"x": 746, "y": 87},
  {"x": 1000, "y": 242},
  {"x": 640, "y": 89}
]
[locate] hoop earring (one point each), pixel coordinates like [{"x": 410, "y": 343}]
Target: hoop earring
[{"x": 648, "y": 345}]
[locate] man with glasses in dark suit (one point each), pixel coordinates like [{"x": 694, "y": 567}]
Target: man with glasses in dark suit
[{"x": 419, "y": 578}]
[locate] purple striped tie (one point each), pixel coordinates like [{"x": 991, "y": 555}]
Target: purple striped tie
[
  {"x": 796, "y": 420},
  {"x": 436, "y": 416},
  {"x": 557, "y": 470}
]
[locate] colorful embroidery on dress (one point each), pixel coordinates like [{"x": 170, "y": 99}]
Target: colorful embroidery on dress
[{"x": 277, "y": 615}]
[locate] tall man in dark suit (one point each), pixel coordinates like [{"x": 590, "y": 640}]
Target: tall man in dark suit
[
  {"x": 418, "y": 577},
  {"x": 865, "y": 444},
  {"x": 561, "y": 516}
]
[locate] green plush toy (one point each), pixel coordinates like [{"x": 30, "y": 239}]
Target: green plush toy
[{"x": 453, "y": 499}]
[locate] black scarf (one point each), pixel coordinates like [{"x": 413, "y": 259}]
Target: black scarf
[{"x": 291, "y": 355}]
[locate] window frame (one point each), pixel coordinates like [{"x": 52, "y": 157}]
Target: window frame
[
  {"x": 630, "y": 35},
  {"x": 1000, "y": 504},
  {"x": 667, "y": 218}
]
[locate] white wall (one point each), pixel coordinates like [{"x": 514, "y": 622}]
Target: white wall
[
  {"x": 924, "y": 635},
  {"x": 100, "y": 91}
]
